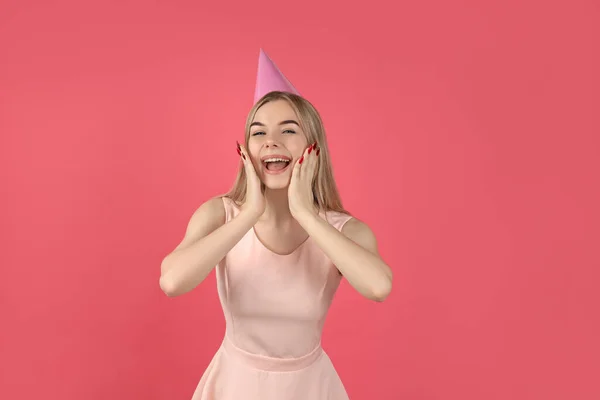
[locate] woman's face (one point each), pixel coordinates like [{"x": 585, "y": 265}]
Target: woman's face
[{"x": 276, "y": 142}]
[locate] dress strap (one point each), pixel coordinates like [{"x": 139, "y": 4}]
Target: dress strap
[
  {"x": 231, "y": 209},
  {"x": 337, "y": 219}
]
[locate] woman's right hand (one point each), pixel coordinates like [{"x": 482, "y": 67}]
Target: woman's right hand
[{"x": 255, "y": 199}]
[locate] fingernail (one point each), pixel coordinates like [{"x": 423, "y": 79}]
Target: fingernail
[
  {"x": 314, "y": 146},
  {"x": 318, "y": 151},
  {"x": 239, "y": 152},
  {"x": 310, "y": 149},
  {"x": 238, "y": 145},
  {"x": 243, "y": 156},
  {"x": 300, "y": 160}
]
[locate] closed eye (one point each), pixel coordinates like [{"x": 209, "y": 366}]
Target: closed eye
[{"x": 289, "y": 131}]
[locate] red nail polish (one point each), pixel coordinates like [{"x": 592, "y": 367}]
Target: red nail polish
[
  {"x": 239, "y": 152},
  {"x": 318, "y": 151},
  {"x": 310, "y": 149},
  {"x": 243, "y": 156},
  {"x": 314, "y": 146},
  {"x": 238, "y": 145},
  {"x": 300, "y": 160}
]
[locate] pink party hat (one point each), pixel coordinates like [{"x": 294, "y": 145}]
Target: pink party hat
[{"x": 270, "y": 78}]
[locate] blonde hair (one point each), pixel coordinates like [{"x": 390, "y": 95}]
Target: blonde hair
[{"x": 325, "y": 191}]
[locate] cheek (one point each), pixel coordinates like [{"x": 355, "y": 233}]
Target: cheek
[
  {"x": 254, "y": 149},
  {"x": 297, "y": 146},
  {"x": 256, "y": 162}
]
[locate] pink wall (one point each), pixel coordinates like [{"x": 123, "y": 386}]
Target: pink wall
[{"x": 466, "y": 134}]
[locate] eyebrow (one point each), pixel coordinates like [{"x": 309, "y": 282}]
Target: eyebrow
[{"x": 287, "y": 121}]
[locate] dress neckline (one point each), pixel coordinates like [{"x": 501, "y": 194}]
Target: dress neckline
[
  {"x": 264, "y": 246},
  {"x": 255, "y": 237}
]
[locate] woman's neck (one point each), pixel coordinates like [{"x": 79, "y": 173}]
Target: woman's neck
[{"x": 277, "y": 207}]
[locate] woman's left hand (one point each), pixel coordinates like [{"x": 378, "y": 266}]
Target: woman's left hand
[{"x": 300, "y": 193}]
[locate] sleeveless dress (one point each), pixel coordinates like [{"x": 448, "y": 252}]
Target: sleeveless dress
[{"x": 274, "y": 306}]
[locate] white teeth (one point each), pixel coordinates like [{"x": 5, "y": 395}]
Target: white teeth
[{"x": 276, "y": 160}]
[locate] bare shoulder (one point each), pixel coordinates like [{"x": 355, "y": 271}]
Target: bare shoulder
[
  {"x": 214, "y": 207},
  {"x": 210, "y": 213},
  {"x": 360, "y": 233},
  {"x": 209, "y": 216}
]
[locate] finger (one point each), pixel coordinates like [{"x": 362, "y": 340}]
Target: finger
[
  {"x": 314, "y": 153},
  {"x": 244, "y": 154},
  {"x": 250, "y": 171},
  {"x": 306, "y": 154},
  {"x": 303, "y": 160},
  {"x": 311, "y": 163},
  {"x": 297, "y": 167},
  {"x": 239, "y": 150}
]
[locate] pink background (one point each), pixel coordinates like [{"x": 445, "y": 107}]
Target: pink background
[{"x": 466, "y": 134}]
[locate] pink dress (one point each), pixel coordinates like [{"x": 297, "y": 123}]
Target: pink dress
[{"x": 275, "y": 306}]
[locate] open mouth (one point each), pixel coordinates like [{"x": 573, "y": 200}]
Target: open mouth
[{"x": 276, "y": 164}]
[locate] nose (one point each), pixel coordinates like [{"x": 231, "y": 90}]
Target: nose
[{"x": 270, "y": 144}]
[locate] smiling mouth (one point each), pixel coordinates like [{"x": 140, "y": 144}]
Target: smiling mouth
[{"x": 276, "y": 164}]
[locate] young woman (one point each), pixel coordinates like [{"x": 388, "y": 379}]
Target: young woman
[{"x": 281, "y": 242}]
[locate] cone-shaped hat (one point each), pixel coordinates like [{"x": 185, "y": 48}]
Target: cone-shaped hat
[{"x": 269, "y": 78}]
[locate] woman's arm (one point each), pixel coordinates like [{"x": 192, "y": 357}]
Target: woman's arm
[
  {"x": 354, "y": 252},
  {"x": 207, "y": 240}
]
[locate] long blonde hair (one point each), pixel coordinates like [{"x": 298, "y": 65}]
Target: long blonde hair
[{"x": 325, "y": 191}]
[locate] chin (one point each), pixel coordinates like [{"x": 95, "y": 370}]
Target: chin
[{"x": 275, "y": 181}]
